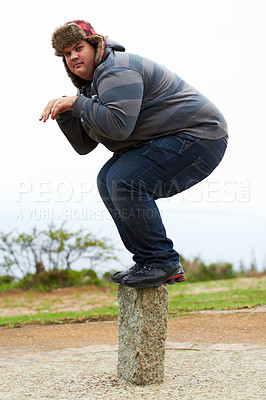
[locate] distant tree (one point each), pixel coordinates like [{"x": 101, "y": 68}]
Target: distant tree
[
  {"x": 54, "y": 248},
  {"x": 253, "y": 264}
]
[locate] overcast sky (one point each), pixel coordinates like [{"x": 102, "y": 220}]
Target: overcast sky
[{"x": 218, "y": 46}]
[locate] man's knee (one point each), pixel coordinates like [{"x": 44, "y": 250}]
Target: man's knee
[{"x": 101, "y": 182}]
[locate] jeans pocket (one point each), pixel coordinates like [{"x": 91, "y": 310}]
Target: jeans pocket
[
  {"x": 187, "y": 177},
  {"x": 186, "y": 141},
  {"x": 159, "y": 150},
  {"x": 201, "y": 166}
]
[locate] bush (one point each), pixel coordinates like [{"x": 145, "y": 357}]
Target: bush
[
  {"x": 89, "y": 277},
  {"x": 53, "y": 279},
  {"x": 197, "y": 270},
  {"x": 6, "y": 280},
  {"x": 107, "y": 277}
]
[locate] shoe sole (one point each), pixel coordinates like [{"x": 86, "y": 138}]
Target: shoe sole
[{"x": 170, "y": 281}]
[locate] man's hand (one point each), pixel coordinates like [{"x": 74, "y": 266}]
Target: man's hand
[{"x": 57, "y": 106}]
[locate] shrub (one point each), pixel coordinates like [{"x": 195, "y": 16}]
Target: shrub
[
  {"x": 6, "y": 280},
  {"x": 89, "y": 277},
  {"x": 197, "y": 270},
  {"x": 53, "y": 279},
  {"x": 107, "y": 277}
]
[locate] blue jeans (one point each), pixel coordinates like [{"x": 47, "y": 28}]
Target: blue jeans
[{"x": 129, "y": 185}]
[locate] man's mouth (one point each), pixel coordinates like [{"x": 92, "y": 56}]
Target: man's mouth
[{"x": 77, "y": 64}]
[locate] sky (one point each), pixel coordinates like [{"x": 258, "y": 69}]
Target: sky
[{"x": 216, "y": 46}]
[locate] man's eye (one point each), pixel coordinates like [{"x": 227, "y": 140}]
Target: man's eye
[
  {"x": 67, "y": 54},
  {"x": 79, "y": 48}
]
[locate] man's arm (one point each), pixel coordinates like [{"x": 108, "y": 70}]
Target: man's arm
[
  {"x": 75, "y": 133},
  {"x": 61, "y": 110},
  {"x": 114, "y": 112}
]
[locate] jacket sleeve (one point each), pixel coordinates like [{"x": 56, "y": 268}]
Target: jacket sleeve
[
  {"x": 114, "y": 111},
  {"x": 75, "y": 133}
]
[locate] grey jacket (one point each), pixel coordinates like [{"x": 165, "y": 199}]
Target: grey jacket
[{"x": 132, "y": 100}]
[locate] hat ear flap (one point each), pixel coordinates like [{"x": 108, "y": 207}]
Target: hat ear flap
[{"x": 99, "y": 43}]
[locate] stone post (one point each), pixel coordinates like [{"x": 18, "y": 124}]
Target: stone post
[{"x": 143, "y": 316}]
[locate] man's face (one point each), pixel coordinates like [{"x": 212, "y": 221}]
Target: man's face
[{"x": 80, "y": 59}]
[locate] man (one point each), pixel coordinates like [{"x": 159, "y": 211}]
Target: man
[{"x": 165, "y": 136}]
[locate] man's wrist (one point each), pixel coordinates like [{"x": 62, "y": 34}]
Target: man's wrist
[{"x": 78, "y": 106}]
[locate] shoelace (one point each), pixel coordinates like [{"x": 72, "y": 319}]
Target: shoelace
[{"x": 143, "y": 269}]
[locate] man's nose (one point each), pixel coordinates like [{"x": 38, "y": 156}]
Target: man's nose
[{"x": 74, "y": 55}]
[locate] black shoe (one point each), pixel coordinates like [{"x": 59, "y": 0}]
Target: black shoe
[
  {"x": 117, "y": 277},
  {"x": 146, "y": 277}
]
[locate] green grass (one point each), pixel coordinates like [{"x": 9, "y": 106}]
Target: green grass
[
  {"x": 227, "y": 284},
  {"x": 226, "y": 294},
  {"x": 224, "y": 300},
  {"x": 106, "y": 313},
  {"x": 183, "y": 298}
]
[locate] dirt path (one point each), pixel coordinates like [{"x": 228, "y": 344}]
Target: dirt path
[
  {"x": 243, "y": 326},
  {"x": 208, "y": 356}
]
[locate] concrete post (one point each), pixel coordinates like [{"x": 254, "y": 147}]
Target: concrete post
[{"x": 143, "y": 316}]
